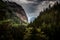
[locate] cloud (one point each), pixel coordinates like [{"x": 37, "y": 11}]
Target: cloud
[
  {"x": 44, "y": 5},
  {"x": 33, "y": 7},
  {"x": 25, "y": 1}
]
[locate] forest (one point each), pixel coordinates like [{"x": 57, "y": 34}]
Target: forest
[{"x": 45, "y": 27}]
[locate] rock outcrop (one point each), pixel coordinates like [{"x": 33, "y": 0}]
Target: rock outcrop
[
  {"x": 13, "y": 11},
  {"x": 19, "y": 11}
]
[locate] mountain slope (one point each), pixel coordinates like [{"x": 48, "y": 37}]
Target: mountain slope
[
  {"x": 19, "y": 11},
  {"x": 12, "y": 10},
  {"x": 10, "y": 27},
  {"x": 47, "y": 25}
]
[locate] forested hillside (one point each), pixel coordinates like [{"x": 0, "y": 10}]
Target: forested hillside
[
  {"x": 47, "y": 25},
  {"x": 10, "y": 26}
]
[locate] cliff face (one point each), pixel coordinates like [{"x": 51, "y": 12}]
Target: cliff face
[
  {"x": 11, "y": 10},
  {"x": 18, "y": 10}
]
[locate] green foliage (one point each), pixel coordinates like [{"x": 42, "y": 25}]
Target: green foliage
[
  {"x": 28, "y": 32},
  {"x": 47, "y": 25},
  {"x": 10, "y": 30},
  {"x": 10, "y": 27},
  {"x": 2, "y": 4}
]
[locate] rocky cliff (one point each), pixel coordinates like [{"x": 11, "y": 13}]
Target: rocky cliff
[
  {"x": 19, "y": 11},
  {"x": 12, "y": 10}
]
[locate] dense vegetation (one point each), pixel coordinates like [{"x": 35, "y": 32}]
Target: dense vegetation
[
  {"x": 10, "y": 29},
  {"x": 45, "y": 27}
]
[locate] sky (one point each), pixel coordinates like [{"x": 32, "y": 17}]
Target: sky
[{"x": 33, "y": 7}]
